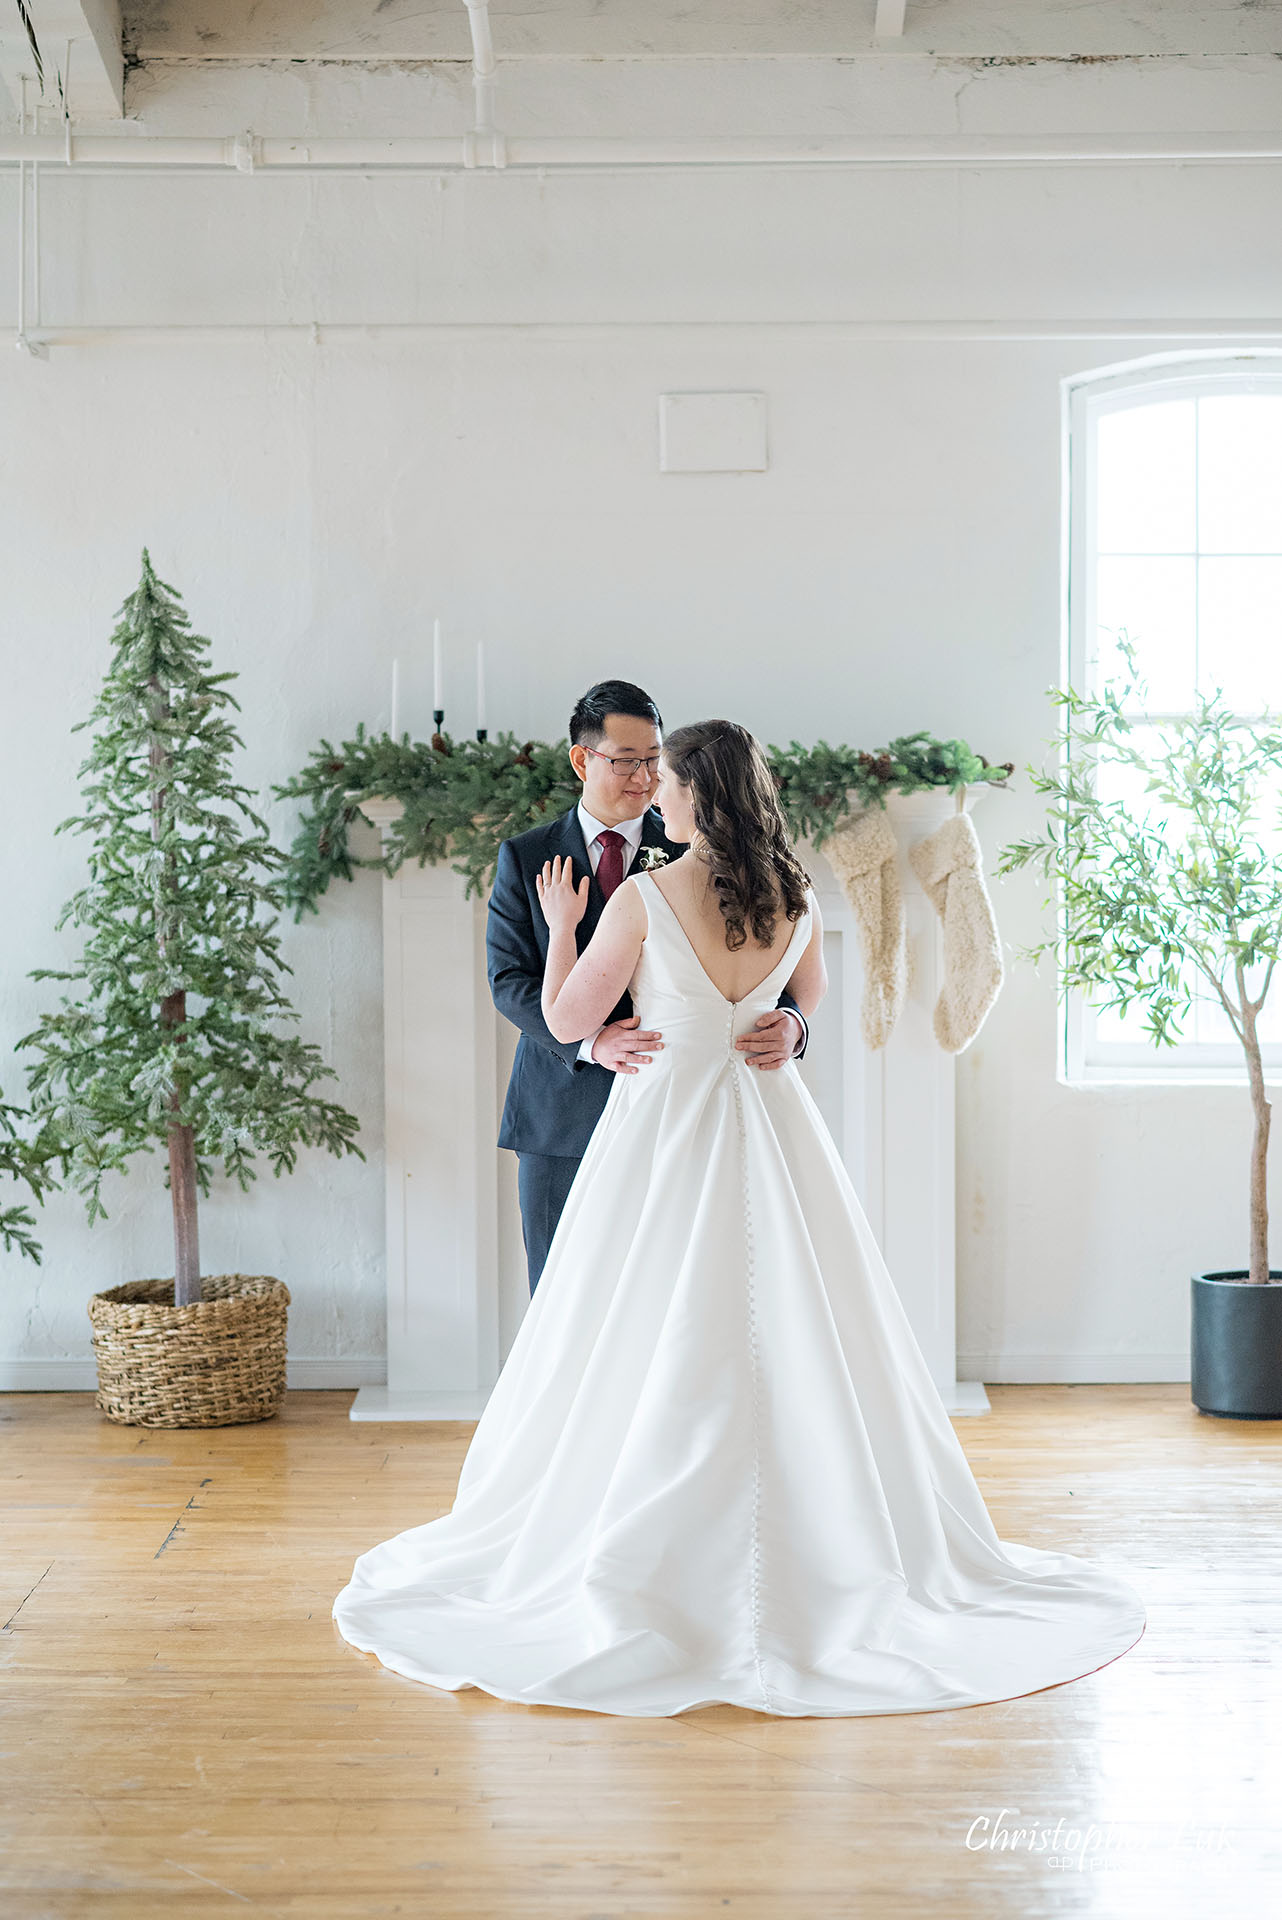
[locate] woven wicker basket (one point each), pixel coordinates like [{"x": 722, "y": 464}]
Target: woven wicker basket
[{"x": 219, "y": 1363}]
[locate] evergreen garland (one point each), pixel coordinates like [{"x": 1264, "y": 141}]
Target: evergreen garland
[
  {"x": 462, "y": 799},
  {"x": 821, "y": 786},
  {"x": 171, "y": 1039}
]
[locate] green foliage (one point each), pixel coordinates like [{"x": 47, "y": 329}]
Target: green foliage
[
  {"x": 26, "y": 1160},
  {"x": 462, "y": 799},
  {"x": 1154, "y": 896},
  {"x": 820, "y": 786},
  {"x": 178, "y": 1004}
]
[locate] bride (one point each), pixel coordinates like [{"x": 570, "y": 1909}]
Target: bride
[{"x": 715, "y": 1467}]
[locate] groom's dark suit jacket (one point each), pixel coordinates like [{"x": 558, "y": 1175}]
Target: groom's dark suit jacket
[{"x": 554, "y": 1099}]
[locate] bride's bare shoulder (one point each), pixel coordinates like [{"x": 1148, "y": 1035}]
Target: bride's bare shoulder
[
  {"x": 670, "y": 881},
  {"x": 626, "y": 906}
]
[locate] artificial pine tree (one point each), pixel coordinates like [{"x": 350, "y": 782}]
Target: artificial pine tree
[
  {"x": 173, "y": 1038},
  {"x": 20, "y": 1159}
]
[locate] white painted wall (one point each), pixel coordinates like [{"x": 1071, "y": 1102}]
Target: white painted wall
[{"x": 487, "y": 449}]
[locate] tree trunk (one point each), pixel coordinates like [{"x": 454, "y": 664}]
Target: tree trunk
[
  {"x": 173, "y": 1012},
  {"x": 182, "y": 1182},
  {"x": 1259, "y": 1151}
]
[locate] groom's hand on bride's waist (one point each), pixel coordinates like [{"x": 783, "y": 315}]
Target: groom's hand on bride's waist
[
  {"x": 623, "y": 1048},
  {"x": 773, "y": 1040}
]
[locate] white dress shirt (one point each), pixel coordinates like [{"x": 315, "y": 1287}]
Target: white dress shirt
[{"x": 631, "y": 831}]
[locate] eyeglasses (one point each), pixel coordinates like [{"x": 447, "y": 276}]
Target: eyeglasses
[{"x": 621, "y": 766}]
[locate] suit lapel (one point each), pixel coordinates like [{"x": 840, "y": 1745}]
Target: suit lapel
[
  {"x": 574, "y": 844},
  {"x": 572, "y": 841}
]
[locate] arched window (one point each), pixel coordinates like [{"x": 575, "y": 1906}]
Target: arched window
[{"x": 1174, "y": 536}]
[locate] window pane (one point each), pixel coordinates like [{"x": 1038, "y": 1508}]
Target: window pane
[
  {"x": 1115, "y": 1029},
  {"x": 1186, "y": 526},
  {"x": 1240, "y": 631},
  {"x": 1128, "y": 785},
  {"x": 1155, "y": 601},
  {"x": 1239, "y": 480},
  {"x": 1209, "y": 1023},
  {"x": 1117, "y": 780},
  {"x": 1145, "y": 479},
  {"x": 1268, "y": 830},
  {"x": 1269, "y": 1023}
]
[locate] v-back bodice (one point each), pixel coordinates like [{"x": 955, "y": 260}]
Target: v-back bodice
[{"x": 672, "y": 993}]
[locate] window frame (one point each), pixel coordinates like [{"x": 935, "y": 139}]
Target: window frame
[{"x": 1084, "y": 1060}]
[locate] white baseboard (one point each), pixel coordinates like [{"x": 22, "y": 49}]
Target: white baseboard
[
  {"x": 33, "y": 1375},
  {"x": 1074, "y": 1369},
  {"x": 80, "y": 1376},
  {"x": 967, "y": 1396},
  {"x": 377, "y": 1403}
]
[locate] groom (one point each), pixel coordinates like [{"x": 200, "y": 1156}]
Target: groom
[{"x": 558, "y": 1088}]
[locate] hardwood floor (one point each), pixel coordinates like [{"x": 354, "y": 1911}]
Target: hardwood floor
[{"x": 185, "y": 1733}]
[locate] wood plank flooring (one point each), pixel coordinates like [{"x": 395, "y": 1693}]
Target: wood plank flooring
[{"x": 184, "y": 1732}]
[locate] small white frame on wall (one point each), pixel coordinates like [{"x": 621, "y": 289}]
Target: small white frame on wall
[{"x": 712, "y": 433}]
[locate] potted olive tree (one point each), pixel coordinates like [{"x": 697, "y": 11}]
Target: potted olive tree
[
  {"x": 176, "y": 1035},
  {"x": 1167, "y": 891}
]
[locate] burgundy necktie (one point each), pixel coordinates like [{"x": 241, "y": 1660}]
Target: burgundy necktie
[{"x": 610, "y": 871}]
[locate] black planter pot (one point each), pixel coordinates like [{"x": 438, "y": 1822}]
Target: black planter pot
[{"x": 1237, "y": 1346}]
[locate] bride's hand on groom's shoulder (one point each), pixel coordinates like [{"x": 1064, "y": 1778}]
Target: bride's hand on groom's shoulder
[{"x": 564, "y": 904}]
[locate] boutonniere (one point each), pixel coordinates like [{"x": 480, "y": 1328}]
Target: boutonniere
[{"x": 651, "y": 857}]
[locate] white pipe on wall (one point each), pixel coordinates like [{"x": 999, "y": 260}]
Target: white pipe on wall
[
  {"x": 23, "y": 339},
  {"x": 1260, "y": 336},
  {"x": 247, "y": 152},
  {"x": 485, "y": 145},
  {"x": 22, "y": 223}
]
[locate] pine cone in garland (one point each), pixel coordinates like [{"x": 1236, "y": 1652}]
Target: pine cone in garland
[{"x": 878, "y": 765}]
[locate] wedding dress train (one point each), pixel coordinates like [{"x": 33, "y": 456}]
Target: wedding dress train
[{"x": 715, "y": 1467}]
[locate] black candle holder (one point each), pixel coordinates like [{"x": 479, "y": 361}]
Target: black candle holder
[
  {"x": 438, "y": 715},
  {"x": 482, "y": 733}
]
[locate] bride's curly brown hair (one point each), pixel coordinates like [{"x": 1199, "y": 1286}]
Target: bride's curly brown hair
[{"x": 736, "y": 810}]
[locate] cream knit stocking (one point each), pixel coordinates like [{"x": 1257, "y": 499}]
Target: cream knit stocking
[
  {"x": 864, "y": 854},
  {"x": 949, "y": 865}
]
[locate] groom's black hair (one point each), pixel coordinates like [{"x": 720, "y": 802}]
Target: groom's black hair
[{"x": 587, "y": 722}]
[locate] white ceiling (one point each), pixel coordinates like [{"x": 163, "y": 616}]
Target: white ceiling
[
  {"x": 367, "y": 30},
  {"x": 99, "y": 44}
]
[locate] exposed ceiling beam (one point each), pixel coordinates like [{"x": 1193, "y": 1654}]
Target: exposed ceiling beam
[
  {"x": 889, "y": 24},
  {"x": 81, "y": 55}
]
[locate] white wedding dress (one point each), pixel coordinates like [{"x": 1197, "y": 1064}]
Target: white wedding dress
[{"x": 715, "y": 1467}]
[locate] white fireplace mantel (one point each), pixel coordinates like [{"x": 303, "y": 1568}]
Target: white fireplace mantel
[{"x": 891, "y": 1113}]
